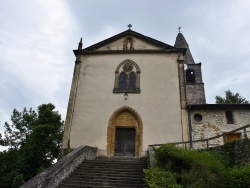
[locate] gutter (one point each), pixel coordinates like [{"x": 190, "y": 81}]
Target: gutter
[{"x": 189, "y": 125}]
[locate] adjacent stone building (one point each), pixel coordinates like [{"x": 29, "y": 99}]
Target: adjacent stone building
[
  {"x": 210, "y": 120},
  {"x": 130, "y": 91}
]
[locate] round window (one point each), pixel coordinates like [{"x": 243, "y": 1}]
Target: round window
[
  {"x": 198, "y": 117},
  {"x": 127, "y": 67}
]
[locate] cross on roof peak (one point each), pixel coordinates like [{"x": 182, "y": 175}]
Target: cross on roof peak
[
  {"x": 179, "y": 28},
  {"x": 129, "y": 26}
]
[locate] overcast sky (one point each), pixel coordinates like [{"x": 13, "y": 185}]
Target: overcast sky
[{"x": 37, "y": 38}]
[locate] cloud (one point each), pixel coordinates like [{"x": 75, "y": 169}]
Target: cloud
[
  {"x": 35, "y": 63},
  {"x": 37, "y": 38}
]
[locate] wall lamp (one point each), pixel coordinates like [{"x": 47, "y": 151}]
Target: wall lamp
[{"x": 126, "y": 96}]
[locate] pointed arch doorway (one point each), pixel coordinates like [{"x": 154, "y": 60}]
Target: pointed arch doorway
[{"x": 124, "y": 134}]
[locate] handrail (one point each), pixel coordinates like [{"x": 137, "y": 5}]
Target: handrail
[{"x": 211, "y": 138}]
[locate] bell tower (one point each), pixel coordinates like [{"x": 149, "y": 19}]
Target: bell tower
[{"x": 193, "y": 77}]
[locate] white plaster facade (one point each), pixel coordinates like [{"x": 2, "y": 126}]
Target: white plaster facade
[{"x": 158, "y": 103}]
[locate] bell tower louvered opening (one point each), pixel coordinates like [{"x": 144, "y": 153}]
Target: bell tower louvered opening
[{"x": 190, "y": 76}]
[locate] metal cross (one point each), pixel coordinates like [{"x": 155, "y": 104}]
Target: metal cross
[
  {"x": 129, "y": 26},
  {"x": 179, "y": 28}
]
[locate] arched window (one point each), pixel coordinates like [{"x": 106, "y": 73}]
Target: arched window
[
  {"x": 190, "y": 76},
  {"x": 127, "y": 77}
]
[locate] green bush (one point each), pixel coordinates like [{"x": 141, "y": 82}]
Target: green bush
[
  {"x": 156, "y": 177},
  {"x": 194, "y": 168},
  {"x": 171, "y": 157},
  {"x": 177, "y": 159},
  {"x": 200, "y": 168},
  {"x": 238, "y": 177},
  {"x": 199, "y": 177},
  {"x": 18, "y": 181}
]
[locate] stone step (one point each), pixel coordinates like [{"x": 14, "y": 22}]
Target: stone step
[
  {"x": 107, "y": 177},
  {"x": 115, "y": 163},
  {"x": 111, "y": 169},
  {"x": 110, "y": 173},
  {"x": 101, "y": 181},
  {"x": 119, "y": 159},
  {"x": 106, "y": 185},
  {"x": 119, "y": 167},
  {"x": 107, "y": 172}
]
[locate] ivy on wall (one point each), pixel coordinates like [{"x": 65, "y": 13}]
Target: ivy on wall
[{"x": 236, "y": 152}]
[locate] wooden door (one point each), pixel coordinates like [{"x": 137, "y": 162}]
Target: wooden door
[
  {"x": 125, "y": 142},
  {"x": 233, "y": 136}
]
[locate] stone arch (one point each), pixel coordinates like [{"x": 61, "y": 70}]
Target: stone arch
[
  {"x": 131, "y": 115},
  {"x": 212, "y": 128}
]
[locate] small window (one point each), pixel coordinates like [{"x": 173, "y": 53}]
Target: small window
[
  {"x": 197, "y": 117},
  {"x": 190, "y": 76},
  {"x": 229, "y": 117}
]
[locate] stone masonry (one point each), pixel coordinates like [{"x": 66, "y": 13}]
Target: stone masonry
[{"x": 195, "y": 91}]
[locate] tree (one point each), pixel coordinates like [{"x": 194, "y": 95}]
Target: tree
[
  {"x": 22, "y": 125},
  {"x": 34, "y": 141},
  {"x": 231, "y": 98},
  {"x": 9, "y": 168}
]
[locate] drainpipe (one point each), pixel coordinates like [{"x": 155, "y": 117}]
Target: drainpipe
[{"x": 189, "y": 125}]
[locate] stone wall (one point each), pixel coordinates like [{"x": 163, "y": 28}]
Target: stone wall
[
  {"x": 214, "y": 122},
  {"x": 195, "y": 93}
]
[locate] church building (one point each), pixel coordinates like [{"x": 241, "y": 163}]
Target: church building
[{"x": 130, "y": 91}]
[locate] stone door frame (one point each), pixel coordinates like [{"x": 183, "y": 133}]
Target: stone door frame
[{"x": 111, "y": 130}]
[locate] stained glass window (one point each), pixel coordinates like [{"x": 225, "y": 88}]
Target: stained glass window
[
  {"x": 132, "y": 80},
  {"x": 122, "y": 80}
]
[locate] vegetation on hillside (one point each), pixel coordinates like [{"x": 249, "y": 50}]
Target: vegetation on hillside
[
  {"x": 33, "y": 140},
  {"x": 178, "y": 168}
]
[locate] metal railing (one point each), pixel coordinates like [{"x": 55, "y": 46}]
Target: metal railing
[{"x": 186, "y": 144}]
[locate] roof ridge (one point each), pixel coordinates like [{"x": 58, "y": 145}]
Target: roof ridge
[{"x": 129, "y": 31}]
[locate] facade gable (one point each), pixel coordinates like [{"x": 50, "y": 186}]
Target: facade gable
[
  {"x": 129, "y": 43},
  {"x": 129, "y": 40}
]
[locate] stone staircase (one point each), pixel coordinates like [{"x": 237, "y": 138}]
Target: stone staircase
[{"x": 108, "y": 172}]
